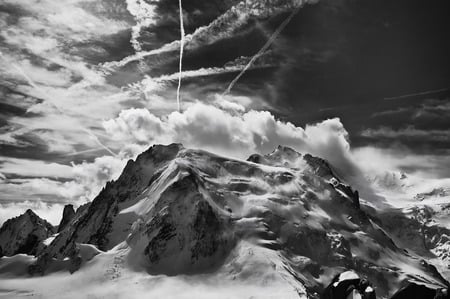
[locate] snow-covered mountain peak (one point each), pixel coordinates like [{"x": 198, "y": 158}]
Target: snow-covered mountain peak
[
  {"x": 178, "y": 211},
  {"x": 281, "y": 156}
]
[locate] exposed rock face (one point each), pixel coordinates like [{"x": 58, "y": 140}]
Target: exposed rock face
[
  {"x": 24, "y": 234},
  {"x": 185, "y": 234},
  {"x": 348, "y": 285},
  {"x": 68, "y": 214},
  {"x": 420, "y": 291},
  {"x": 319, "y": 166}
]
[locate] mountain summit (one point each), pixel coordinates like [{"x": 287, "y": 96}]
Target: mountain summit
[
  {"x": 283, "y": 220},
  {"x": 24, "y": 234}
]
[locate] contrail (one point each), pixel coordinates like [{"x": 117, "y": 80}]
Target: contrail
[
  {"x": 90, "y": 133},
  {"x": 263, "y": 49},
  {"x": 422, "y": 93},
  {"x": 43, "y": 93},
  {"x": 181, "y": 54},
  {"x": 85, "y": 151}
]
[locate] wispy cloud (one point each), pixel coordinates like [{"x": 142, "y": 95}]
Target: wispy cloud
[
  {"x": 225, "y": 26},
  {"x": 34, "y": 168},
  {"x": 36, "y": 58},
  {"x": 407, "y": 132},
  {"x": 34, "y": 180}
]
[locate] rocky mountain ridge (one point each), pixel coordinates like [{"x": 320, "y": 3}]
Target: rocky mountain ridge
[{"x": 24, "y": 234}]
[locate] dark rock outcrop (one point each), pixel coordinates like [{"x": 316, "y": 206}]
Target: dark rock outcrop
[
  {"x": 319, "y": 166},
  {"x": 190, "y": 238},
  {"x": 419, "y": 291},
  {"x": 24, "y": 234},
  {"x": 349, "y": 285},
  {"x": 68, "y": 214}
]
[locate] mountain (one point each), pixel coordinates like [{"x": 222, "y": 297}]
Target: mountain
[
  {"x": 24, "y": 234},
  {"x": 282, "y": 224}
]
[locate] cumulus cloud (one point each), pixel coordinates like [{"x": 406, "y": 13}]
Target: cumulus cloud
[
  {"x": 232, "y": 131},
  {"x": 228, "y": 128},
  {"x": 137, "y": 124},
  {"x": 92, "y": 176}
]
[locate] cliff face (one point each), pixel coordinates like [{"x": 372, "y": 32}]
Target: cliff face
[{"x": 24, "y": 234}]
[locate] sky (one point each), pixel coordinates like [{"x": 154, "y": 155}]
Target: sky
[{"x": 86, "y": 85}]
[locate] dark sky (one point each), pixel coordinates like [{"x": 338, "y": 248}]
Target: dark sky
[
  {"x": 85, "y": 85},
  {"x": 355, "y": 60}
]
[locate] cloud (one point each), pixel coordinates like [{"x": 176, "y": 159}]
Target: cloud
[
  {"x": 408, "y": 132},
  {"x": 225, "y": 127},
  {"x": 375, "y": 160},
  {"x": 36, "y": 58},
  {"x": 92, "y": 176},
  {"x": 231, "y": 106},
  {"x": 38, "y": 181},
  {"x": 144, "y": 14},
  {"x": 232, "y": 132},
  {"x": 34, "y": 168},
  {"x": 42, "y": 190},
  {"x": 66, "y": 19},
  {"x": 138, "y": 124},
  {"x": 223, "y": 27}
]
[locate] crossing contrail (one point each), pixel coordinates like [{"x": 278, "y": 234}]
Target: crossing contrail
[
  {"x": 85, "y": 151},
  {"x": 181, "y": 54},
  {"x": 43, "y": 93},
  {"x": 263, "y": 49}
]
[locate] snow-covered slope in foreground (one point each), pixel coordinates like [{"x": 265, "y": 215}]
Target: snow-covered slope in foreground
[{"x": 181, "y": 223}]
